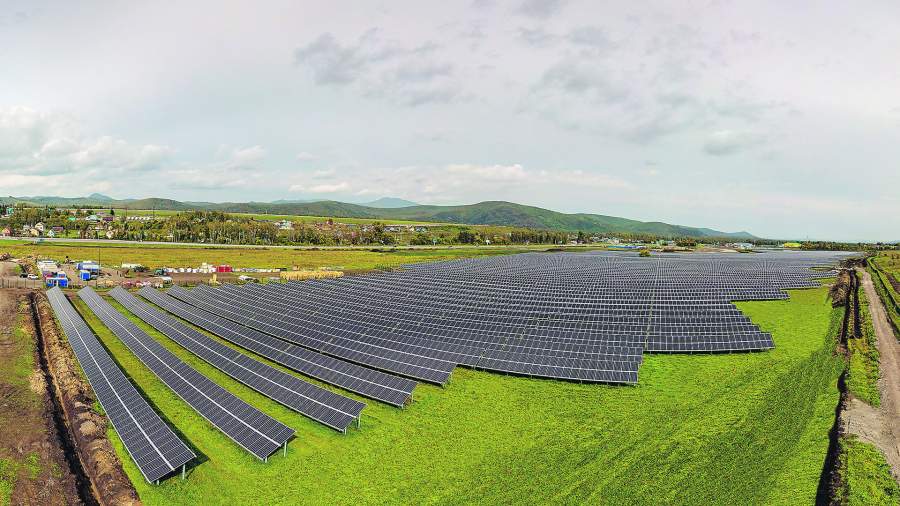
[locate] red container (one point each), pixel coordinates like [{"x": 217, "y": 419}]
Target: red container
[{"x": 223, "y": 268}]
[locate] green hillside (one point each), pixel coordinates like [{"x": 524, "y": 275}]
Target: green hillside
[{"x": 483, "y": 213}]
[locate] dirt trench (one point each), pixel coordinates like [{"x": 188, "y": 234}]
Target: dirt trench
[
  {"x": 32, "y": 461},
  {"x": 92, "y": 453}
]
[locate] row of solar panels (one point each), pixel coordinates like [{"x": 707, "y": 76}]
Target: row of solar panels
[{"x": 153, "y": 446}]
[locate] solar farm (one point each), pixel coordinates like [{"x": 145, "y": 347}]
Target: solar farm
[{"x": 333, "y": 350}]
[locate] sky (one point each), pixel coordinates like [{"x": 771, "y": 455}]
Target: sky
[{"x": 778, "y": 118}]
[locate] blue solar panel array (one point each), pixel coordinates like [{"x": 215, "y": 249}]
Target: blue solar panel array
[
  {"x": 249, "y": 427},
  {"x": 324, "y": 406},
  {"x": 577, "y": 316},
  {"x": 377, "y": 385},
  {"x": 153, "y": 446}
]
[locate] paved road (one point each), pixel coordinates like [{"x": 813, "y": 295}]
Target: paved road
[{"x": 889, "y": 384}]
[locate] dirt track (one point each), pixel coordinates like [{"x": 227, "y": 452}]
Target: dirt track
[{"x": 881, "y": 427}]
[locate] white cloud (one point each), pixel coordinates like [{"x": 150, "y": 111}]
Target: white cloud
[
  {"x": 303, "y": 156},
  {"x": 381, "y": 68},
  {"x": 323, "y": 173},
  {"x": 235, "y": 167},
  {"x": 338, "y": 187},
  {"x": 730, "y": 142},
  {"x": 505, "y": 173},
  {"x": 36, "y": 142}
]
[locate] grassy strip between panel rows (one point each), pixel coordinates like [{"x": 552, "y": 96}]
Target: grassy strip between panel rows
[
  {"x": 866, "y": 476},
  {"x": 733, "y": 428},
  {"x": 864, "y": 358}
]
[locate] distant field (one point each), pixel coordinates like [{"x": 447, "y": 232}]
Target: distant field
[
  {"x": 154, "y": 255},
  {"x": 699, "y": 429}
]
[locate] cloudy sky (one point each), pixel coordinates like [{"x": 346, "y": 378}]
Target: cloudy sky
[{"x": 780, "y": 118}]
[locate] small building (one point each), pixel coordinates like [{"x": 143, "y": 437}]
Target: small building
[
  {"x": 284, "y": 225},
  {"x": 59, "y": 279},
  {"x": 6, "y": 232},
  {"x": 90, "y": 266},
  {"x": 39, "y": 226}
]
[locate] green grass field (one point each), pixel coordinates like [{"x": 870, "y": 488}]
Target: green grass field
[
  {"x": 155, "y": 255},
  {"x": 732, "y": 428}
]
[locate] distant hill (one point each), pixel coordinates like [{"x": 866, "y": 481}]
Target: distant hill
[
  {"x": 389, "y": 203},
  {"x": 100, "y": 197},
  {"x": 483, "y": 213}
]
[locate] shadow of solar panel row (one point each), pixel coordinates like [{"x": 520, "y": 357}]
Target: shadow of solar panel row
[
  {"x": 324, "y": 340},
  {"x": 249, "y": 427},
  {"x": 324, "y": 406},
  {"x": 377, "y": 385},
  {"x": 152, "y": 444}
]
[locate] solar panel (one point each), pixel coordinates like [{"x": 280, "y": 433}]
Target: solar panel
[
  {"x": 324, "y": 406},
  {"x": 152, "y": 444},
  {"x": 587, "y": 316},
  {"x": 249, "y": 427},
  {"x": 332, "y": 342},
  {"x": 377, "y": 385}
]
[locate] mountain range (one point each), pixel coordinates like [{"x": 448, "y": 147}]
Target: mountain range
[{"x": 482, "y": 213}]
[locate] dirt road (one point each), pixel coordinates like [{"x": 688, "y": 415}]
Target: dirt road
[{"x": 881, "y": 427}]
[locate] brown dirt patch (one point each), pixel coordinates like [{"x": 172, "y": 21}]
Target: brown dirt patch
[{"x": 28, "y": 438}]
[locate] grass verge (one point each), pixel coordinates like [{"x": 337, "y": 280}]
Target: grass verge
[{"x": 866, "y": 476}]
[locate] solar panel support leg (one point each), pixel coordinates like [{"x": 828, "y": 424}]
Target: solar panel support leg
[
  {"x": 182, "y": 471},
  {"x": 358, "y": 421},
  {"x": 266, "y": 460},
  {"x": 285, "y": 448}
]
